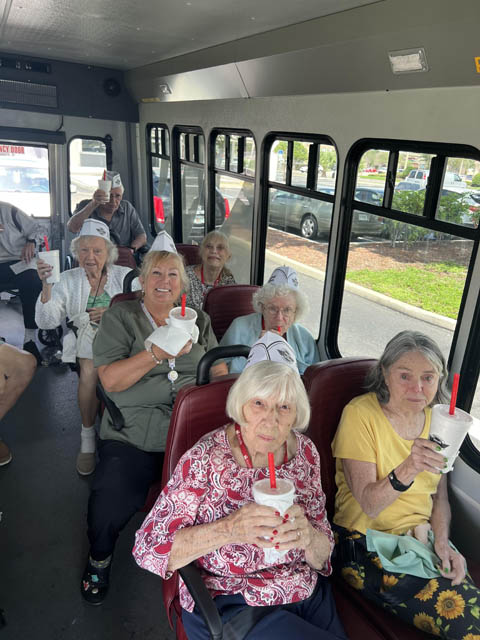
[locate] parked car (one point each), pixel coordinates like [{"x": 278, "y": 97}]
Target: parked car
[
  {"x": 408, "y": 186},
  {"x": 370, "y": 170},
  {"x": 313, "y": 217},
  {"x": 420, "y": 176}
]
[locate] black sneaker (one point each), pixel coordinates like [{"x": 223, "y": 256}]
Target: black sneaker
[
  {"x": 95, "y": 583},
  {"x": 32, "y": 348}
]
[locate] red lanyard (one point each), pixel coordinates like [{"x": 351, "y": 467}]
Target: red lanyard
[
  {"x": 215, "y": 284},
  {"x": 246, "y": 455}
]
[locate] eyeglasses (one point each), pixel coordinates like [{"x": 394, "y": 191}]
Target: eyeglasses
[{"x": 272, "y": 310}]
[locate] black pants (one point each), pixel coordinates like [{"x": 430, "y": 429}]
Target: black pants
[
  {"x": 29, "y": 286},
  {"x": 120, "y": 487}
]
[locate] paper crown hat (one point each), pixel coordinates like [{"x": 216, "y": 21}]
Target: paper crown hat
[
  {"x": 163, "y": 242},
  {"x": 272, "y": 347},
  {"x": 284, "y": 275},
  {"x": 92, "y": 227},
  {"x": 115, "y": 177}
]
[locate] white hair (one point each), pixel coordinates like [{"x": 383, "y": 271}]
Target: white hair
[
  {"x": 269, "y": 379},
  {"x": 112, "y": 251},
  {"x": 262, "y": 297}
]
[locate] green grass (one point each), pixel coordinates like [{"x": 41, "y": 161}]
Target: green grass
[{"x": 436, "y": 287}]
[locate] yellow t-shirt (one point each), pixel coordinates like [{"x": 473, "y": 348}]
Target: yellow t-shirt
[{"x": 365, "y": 434}]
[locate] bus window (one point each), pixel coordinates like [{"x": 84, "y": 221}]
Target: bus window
[
  {"x": 158, "y": 158},
  {"x": 299, "y": 219},
  {"x": 191, "y": 157},
  {"x": 234, "y": 172},
  {"x": 408, "y": 270},
  {"x": 24, "y": 178},
  {"x": 87, "y": 160}
]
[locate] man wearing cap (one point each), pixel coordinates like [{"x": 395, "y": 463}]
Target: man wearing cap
[
  {"x": 81, "y": 297},
  {"x": 126, "y": 229},
  {"x": 19, "y": 235},
  {"x": 278, "y": 304}
]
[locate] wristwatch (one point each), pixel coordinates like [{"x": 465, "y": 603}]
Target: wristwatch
[
  {"x": 32, "y": 240},
  {"x": 395, "y": 482}
]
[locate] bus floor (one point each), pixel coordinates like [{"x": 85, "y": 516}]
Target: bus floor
[{"x": 43, "y": 542}]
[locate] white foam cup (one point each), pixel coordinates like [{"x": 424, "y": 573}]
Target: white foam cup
[
  {"x": 186, "y": 322},
  {"x": 280, "y": 498},
  {"x": 449, "y": 431},
  {"x": 105, "y": 186},
  {"x": 52, "y": 258}
]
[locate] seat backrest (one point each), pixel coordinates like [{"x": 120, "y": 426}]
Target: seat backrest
[
  {"x": 122, "y": 297},
  {"x": 197, "y": 411},
  {"x": 191, "y": 253},
  {"x": 125, "y": 258},
  {"x": 224, "y": 304},
  {"x": 330, "y": 386}
]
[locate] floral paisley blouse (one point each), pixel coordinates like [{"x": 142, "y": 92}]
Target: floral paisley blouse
[{"x": 208, "y": 484}]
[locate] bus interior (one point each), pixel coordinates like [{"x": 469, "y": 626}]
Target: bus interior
[{"x": 307, "y": 132}]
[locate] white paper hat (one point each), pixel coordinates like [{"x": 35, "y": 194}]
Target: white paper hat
[
  {"x": 284, "y": 275},
  {"x": 92, "y": 227},
  {"x": 163, "y": 242},
  {"x": 272, "y": 347},
  {"x": 115, "y": 177}
]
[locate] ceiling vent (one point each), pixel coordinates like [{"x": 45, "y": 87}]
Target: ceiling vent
[{"x": 28, "y": 93}]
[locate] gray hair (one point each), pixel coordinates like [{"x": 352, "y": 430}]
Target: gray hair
[
  {"x": 112, "y": 251},
  {"x": 215, "y": 235},
  {"x": 269, "y": 379},
  {"x": 262, "y": 297},
  {"x": 401, "y": 344}
]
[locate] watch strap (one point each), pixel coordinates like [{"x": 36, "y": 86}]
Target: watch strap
[{"x": 395, "y": 482}]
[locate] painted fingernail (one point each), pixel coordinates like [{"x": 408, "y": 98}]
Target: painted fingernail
[
  {"x": 445, "y": 466},
  {"x": 437, "y": 448},
  {"x": 277, "y": 513},
  {"x": 274, "y": 532},
  {"x": 446, "y": 569},
  {"x": 286, "y": 516},
  {"x": 271, "y": 539},
  {"x": 445, "y": 459},
  {"x": 277, "y": 546}
]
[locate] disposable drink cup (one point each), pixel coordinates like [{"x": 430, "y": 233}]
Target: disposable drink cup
[
  {"x": 280, "y": 498},
  {"x": 52, "y": 258},
  {"x": 186, "y": 322},
  {"x": 449, "y": 431},
  {"x": 105, "y": 186}
]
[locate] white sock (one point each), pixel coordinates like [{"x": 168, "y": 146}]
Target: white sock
[
  {"x": 30, "y": 334},
  {"x": 87, "y": 438}
]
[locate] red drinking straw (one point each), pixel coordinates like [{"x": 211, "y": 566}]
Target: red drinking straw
[
  {"x": 45, "y": 242},
  {"x": 271, "y": 468},
  {"x": 184, "y": 302},
  {"x": 453, "y": 399},
  {"x": 278, "y": 329},
  {"x": 104, "y": 174}
]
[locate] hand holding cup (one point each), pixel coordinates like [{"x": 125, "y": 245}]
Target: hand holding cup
[{"x": 44, "y": 270}]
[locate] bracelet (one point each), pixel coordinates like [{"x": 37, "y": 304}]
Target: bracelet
[
  {"x": 395, "y": 482},
  {"x": 154, "y": 357}
]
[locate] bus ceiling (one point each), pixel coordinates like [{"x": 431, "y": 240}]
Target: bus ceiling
[{"x": 174, "y": 52}]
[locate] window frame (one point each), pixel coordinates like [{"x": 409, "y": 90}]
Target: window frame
[
  {"x": 107, "y": 141},
  {"x": 163, "y": 156}
]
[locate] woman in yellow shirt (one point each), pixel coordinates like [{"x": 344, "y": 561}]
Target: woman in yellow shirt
[{"x": 389, "y": 479}]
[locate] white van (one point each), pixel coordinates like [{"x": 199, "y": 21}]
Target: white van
[{"x": 420, "y": 176}]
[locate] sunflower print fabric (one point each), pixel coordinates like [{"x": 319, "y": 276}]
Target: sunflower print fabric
[{"x": 438, "y": 608}]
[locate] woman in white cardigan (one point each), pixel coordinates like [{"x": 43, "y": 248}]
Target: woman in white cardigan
[{"x": 82, "y": 296}]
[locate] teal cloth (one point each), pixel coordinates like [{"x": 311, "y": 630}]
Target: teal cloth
[{"x": 405, "y": 554}]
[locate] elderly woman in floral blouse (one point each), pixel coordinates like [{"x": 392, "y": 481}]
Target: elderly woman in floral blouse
[{"x": 206, "y": 514}]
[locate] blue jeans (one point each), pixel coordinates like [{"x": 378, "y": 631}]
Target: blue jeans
[{"x": 315, "y": 618}]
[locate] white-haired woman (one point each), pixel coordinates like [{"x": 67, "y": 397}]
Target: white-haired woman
[
  {"x": 81, "y": 297},
  {"x": 211, "y": 272},
  {"x": 220, "y": 527},
  {"x": 278, "y": 305},
  {"x": 389, "y": 479}
]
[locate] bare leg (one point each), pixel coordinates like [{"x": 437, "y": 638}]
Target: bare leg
[
  {"x": 88, "y": 403},
  {"x": 16, "y": 370},
  {"x": 87, "y": 399}
]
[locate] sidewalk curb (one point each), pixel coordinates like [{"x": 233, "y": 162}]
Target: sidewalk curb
[{"x": 379, "y": 298}]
